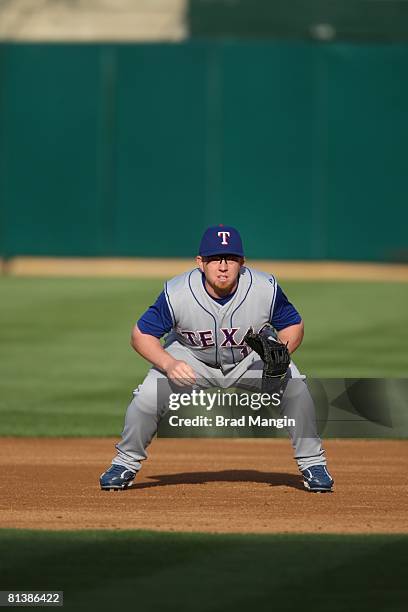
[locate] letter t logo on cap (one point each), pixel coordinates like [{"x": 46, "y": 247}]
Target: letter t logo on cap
[{"x": 224, "y": 237}]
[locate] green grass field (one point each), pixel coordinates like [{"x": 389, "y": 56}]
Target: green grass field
[
  {"x": 67, "y": 367},
  {"x": 157, "y": 572}
]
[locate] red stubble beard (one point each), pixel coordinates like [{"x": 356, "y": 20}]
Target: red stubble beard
[{"x": 225, "y": 288}]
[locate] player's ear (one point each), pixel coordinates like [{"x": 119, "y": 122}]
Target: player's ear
[{"x": 199, "y": 261}]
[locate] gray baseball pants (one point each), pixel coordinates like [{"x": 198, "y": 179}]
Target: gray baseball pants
[{"x": 147, "y": 407}]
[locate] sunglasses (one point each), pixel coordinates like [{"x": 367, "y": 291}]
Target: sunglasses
[{"x": 219, "y": 258}]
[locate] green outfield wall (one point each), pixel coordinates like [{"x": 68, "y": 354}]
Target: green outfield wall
[{"x": 131, "y": 149}]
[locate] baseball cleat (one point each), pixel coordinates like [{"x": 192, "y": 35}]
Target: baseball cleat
[
  {"x": 317, "y": 479},
  {"x": 116, "y": 478}
]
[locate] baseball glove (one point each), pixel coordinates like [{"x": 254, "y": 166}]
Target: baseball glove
[{"x": 275, "y": 356}]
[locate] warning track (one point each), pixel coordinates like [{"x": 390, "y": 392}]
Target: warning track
[{"x": 165, "y": 268}]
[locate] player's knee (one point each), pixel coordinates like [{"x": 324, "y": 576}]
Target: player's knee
[{"x": 137, "y": 406}]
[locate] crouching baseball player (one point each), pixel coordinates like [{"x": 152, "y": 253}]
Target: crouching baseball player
[{"x": 207, "y": 313}]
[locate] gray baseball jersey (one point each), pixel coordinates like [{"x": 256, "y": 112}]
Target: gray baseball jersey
[{"x": 213, "y": 332}]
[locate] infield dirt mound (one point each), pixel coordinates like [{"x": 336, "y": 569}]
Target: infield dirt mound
[{"x": 204, "y": 485}]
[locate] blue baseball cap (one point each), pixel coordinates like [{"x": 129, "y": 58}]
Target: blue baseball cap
[{"x": 221, "y": 240}]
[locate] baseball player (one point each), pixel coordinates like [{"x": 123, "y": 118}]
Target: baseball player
[{"x": 205, "y": 313}]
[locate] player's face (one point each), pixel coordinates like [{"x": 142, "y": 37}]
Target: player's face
[{"x": 221, "y": 273}]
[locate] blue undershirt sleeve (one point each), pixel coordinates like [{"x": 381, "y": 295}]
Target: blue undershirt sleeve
[
  {"x": 284, "y": 313},
  {"x": 156, "y": 321}
]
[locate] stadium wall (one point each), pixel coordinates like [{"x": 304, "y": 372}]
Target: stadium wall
[{"x": 131, "y": 149}]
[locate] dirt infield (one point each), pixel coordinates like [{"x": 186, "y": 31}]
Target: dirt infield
[
  {"x": 204, "y": 485},
  {"x": 164, "y": 268}
]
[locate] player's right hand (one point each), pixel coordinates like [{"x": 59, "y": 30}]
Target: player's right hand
[{"x": 181, "y": 373}]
